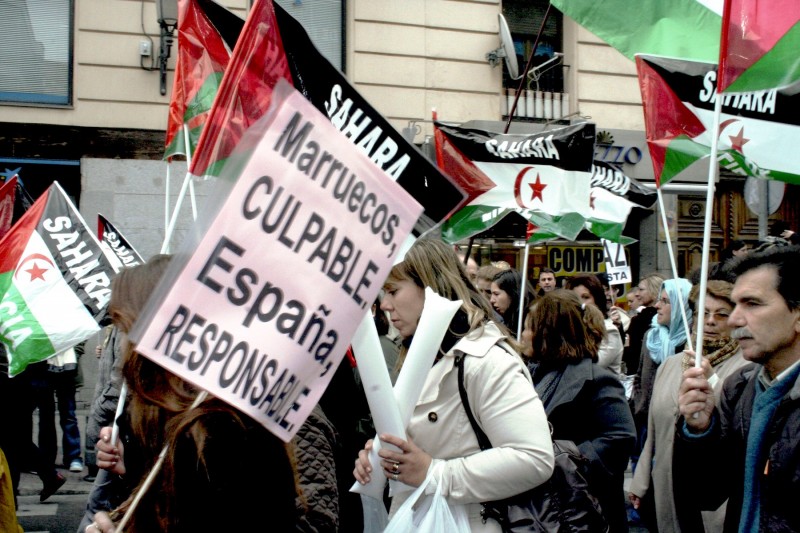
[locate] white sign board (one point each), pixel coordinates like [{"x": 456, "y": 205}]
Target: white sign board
[
  {"x": 262, "y": 312},
  {"x": 617, "y": 266}
]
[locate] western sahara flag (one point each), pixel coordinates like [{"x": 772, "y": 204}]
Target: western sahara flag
[
  {"x": 757, "y": 130},
  {"x": 676, "y": 28},
  {"x": 612, "y": 197},
  {"x": 14, "y": 201},
  {"x": 207, "y": 33},
  {"x": 8, "y": 194},
  {"x": 55, "y": 281},
  {"x": 264, "y": 55},
  {"x": 759, "y": 45},
  {"x": 117, "y": 245},
  {"x": 544, "y": 177}
]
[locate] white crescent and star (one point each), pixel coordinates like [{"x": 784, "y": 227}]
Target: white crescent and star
[
  {"x": 537, "y": 187},
  {"x": 36, "y": 271},
  {"x": 737, "y": 141}
]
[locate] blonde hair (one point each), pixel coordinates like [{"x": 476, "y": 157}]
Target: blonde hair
[{"x": 434, "y": 264}]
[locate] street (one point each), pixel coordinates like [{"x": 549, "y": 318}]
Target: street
[{"x": 61, "y": 513}]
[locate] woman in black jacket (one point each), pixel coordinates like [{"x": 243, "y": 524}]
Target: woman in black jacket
[{"x": 584, "y": 402}]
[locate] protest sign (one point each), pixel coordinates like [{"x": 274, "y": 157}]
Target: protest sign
[
  {"x": 263, "y": 307},
  {"x": 617, "y": 265}
]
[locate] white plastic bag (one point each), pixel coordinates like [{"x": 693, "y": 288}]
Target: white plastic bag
[
  {"x": 422, "y": 513},
  {"x": 375, "y": 516}
]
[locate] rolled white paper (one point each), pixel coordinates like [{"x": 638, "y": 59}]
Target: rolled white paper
[
  {"x": 437, "y": 313},
  {"x": 380, "y": 397}
]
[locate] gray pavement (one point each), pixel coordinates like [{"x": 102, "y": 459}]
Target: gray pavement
[{"x": 30, "y": 484}]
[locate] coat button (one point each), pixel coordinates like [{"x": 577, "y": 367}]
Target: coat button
[{"x": 432, "y": 416}]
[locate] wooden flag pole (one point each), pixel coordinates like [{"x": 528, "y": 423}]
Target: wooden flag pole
[{"x": 153, "y": 472}]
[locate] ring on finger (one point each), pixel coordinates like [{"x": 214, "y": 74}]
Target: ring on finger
[
  {"x": 394, "y": 477},
  {"x": 92, "y": 525},
  {"x": 396, "y": 468}
]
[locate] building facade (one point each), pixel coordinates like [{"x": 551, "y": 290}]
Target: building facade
[{"x": 95, "y": 120}]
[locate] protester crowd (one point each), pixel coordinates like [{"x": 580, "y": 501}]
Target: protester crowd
[{"x": 709, "y": 448}]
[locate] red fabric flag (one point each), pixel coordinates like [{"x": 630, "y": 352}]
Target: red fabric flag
[
  {"x": 206, "y": 34},
  {"x": 759, "y": 46},
  {"x": 257, "y": 63},
  {"x": 7, "y": 195},
  {"x": 667, "y": 120}
]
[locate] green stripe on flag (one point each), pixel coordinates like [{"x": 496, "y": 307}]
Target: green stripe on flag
[
  {"x": 471, "y": 220},
  {"x": 197, "y": 106},
  {"x": 779, "y": 67},
  {"x": 681, "y": 153},
  {"x": 675, "y": 28},
  {"x": 22, "y": 333}
]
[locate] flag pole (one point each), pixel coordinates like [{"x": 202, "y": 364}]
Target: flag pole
[
  {"x": 712, "y": 178},
  {"x": 187, "y": 185},
  {"x": 153, "y": 472},
  {"x": 673, "y": 264},
  {"x": 188, "y": 146},
  {"x": 522, "y": 291},
  {"x": 174, "y": 218},
  {"x": 166, "y": 197},
  {"x": 527, "y": 68}
]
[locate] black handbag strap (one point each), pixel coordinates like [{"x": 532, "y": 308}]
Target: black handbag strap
[{"x": 483, "y": 440}]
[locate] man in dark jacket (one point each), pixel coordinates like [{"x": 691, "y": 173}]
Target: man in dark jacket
[{"x": 746, "y": 449}]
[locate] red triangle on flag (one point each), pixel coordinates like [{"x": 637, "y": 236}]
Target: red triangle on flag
[
  {"x": 666, "y": 116},
  {"x": 461, "y": 168}
]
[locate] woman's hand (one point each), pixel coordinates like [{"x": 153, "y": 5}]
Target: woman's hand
[
  {"x": 110, "y": 457},
  {"x": 635, "y": 500},
  {"x": 102, "y": 524},
  {"x": 363, "y": 470},
  {"x": 410, "y": 465}
]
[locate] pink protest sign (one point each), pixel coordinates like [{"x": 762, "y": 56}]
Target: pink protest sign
[{"x": 262, "y": 310}]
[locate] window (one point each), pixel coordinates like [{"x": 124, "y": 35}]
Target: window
[
  {"x": 544, "y": 98},
  {"x": 323, "y": 21},
  {"x": 36, "y": 51}
]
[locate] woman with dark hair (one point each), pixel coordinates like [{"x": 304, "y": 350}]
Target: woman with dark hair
[
  {"x": 646, "y": 296},
  {"x": 498, "y": 388},
  {"x": 734, "y": 249},
  {"x": 584, "y": 402},
  {"x": 222, "y": 471},
  {"x": 506, "y": 291},
  {"x": 590, "y": 291}
]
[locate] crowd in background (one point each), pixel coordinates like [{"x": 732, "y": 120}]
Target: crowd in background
[{"x": 618, "y": 381}]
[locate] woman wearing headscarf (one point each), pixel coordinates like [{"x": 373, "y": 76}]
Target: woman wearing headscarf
[
  {"x": 666, "y": 337},
  {"x": 440, "y": 441},
  {"x": 584, "y": 402},
  {"x": 654, "y": 471}
]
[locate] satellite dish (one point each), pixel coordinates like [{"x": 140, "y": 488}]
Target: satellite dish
[{"x": 506, "y": 50}]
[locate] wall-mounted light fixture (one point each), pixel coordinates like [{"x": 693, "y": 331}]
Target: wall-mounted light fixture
[{"x": 167, "y": 14}]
